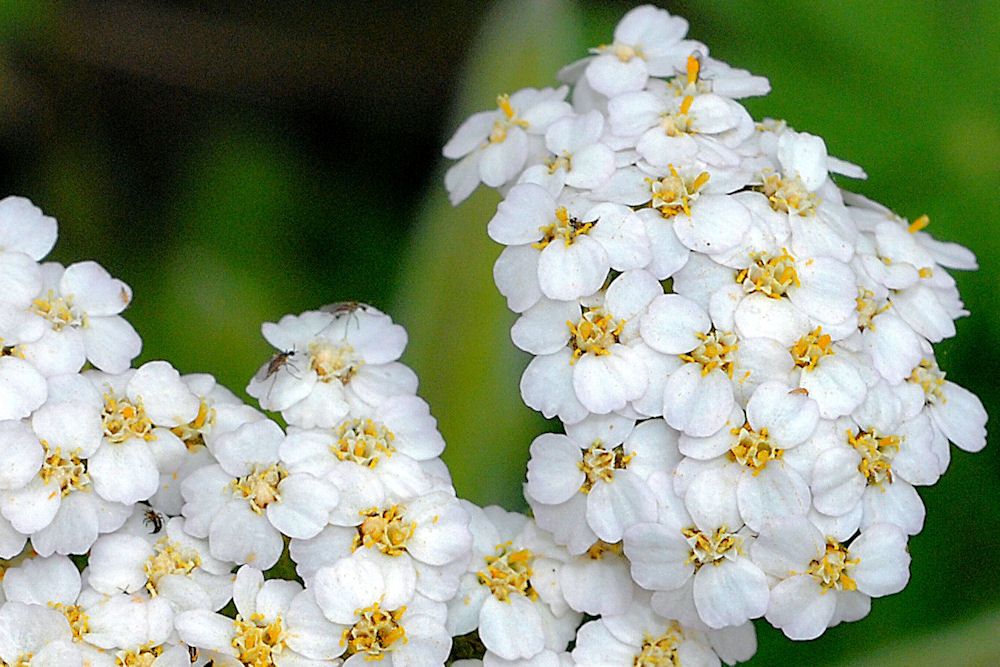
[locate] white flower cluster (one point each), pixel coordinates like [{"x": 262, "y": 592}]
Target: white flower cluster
[
  {"x": 180, "y": 496},
  {"x": 739, "y": 351}
]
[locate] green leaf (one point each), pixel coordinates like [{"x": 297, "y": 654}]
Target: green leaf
[{"x": 458, "y": 323}]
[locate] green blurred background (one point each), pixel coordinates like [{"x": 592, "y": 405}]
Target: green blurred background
[{"x": 235, "y": 161}]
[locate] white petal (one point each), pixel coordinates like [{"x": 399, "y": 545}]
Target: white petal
[{"x": 697, "y": 404}]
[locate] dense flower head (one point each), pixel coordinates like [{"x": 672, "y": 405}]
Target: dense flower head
[
  {"x": 768, "y": 333},
  {"x": 740, "y": 353}
]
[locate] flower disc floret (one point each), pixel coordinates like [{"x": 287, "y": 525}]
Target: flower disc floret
[
  {"x": 812, "y": 347},
  {"x": 710, "y": 548},
  {"x": 565, "y": 227},
  {"x": 79, "y": 622},
  {"x": 58, "y": 311},
  {"x": 717, "y": 351},
  {"x": 258, "y": 643},
  {"x": 931, "y": 379},
  {"x": 124, "y": 419},
  {"x": 68, "y": 472},
  {"x": 387, "y": 530},
  {"x": 594, "y": 333},
  {"x": 193, "y": 433},
  {"x": 877, "y": 452},
  {"x": 674, "y": 194},
  {"x": 599, "y": 464},
  {"x": 260, "y": 487},
  {"x": 772, "y": 276},
  {"x": 333, "y": 361},
  {"x": 509, "y": 572},
  {"x": 169, "y": 557},
  {"x": 753, "y": 448},
  {"x": 659, "y": 651},
  {"x": 362, "y": 441},
  {"x": 830, "y": 570},
  {"x": 375, "y": 633},
  {"x": 788, "y": 195}
]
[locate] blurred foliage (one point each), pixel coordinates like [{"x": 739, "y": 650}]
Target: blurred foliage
[{"x": 237, "y": 161}]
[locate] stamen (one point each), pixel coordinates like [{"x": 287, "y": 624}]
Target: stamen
[{"x": 599, "y": 464}]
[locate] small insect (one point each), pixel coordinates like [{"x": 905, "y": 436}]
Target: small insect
[
  {"x": 801, "y": 390},
  {"x": 277, "y": 362},
  {"x": 153, "y": 518},
  {"x": 344, "y": 308}
]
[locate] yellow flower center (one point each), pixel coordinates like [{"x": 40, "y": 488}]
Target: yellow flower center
[
  {"x": 877, "y": 452},
  {"x": 753, "y": 449},
  {"x": 362, "y": 441},
  {"x": 79, "y": 623},
  {"x": 788, "y": 195},
  {"x": 772, "y": 276},
  {"x": 59, "y": 311},
  {"x": 717, "y": 350},
  {"x": 508, "y": 572},
  {"x": 710, "y": 548},
  {"x": 594, "y": 333},
  {"x": 673, "y": 194},
  {"x": 143, "y": 657},
  {"x": 68, "y": 473},
  {"x": 599, "y": 549},
  {"x": 333, "y": 361},
  {"x": 565, "y": 227},
  {"x": 258, "y": 643},
  {"x": 193, "y": 433},
  {"x": 386, "y": 530},
  {"x": 599, "y": 464},
  {"x": 830, "y": 571},
  {"x": 930, "y": 378},
  {"x": 509, "y": 120},
  {"x": 375, "y": 633},
  {"x": 660, "y": 651},
  {"x": 811, "y": 348},
  {"x": 169, "y": 558},
  {"x": 124, "y": 419},
  {"x": 260, "y": 487}
]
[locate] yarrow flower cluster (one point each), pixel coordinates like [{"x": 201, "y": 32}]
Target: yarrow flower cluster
[
  {"x": 740, "y": 354},
  {"x": 739, "y": 351}
]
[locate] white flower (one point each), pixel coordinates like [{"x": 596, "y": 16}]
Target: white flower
[
  {"x": 576, "y": 248},
  {"x": 700, "y": 550},
  {"x": 494, "y": 145},
  {"x": 139, "y": 408},
  {"x": 245, "y": 502},
  {"x": 277, "y": 622},
  {"x": 579, "y": 159},
  {"x": 648, "y": 41},
  {"x": 424, "y": 542},
  {"x": 823, "y": 582},
  {"x": 49, "y": 487},
  {"x": 955, "y": 412},
  {"x": 752, "y": 471},
  {"x": 329, "y": 361},
  {"x": 498, "y": 594},
  {"x": 168, "y": 563},
  {"x": 639, "y": 636},
  {"x": 375, "y": 618},
  {"x": 607, "y": 461},
  {"x": 588, "y": 359},
  {"x": 81, "y": 305}
]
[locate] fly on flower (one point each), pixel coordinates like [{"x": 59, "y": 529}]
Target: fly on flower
[
  {"x": 153, "y": 518},
  {"x": 342, "y": 308},
  {"x": 277, "y": 362}
]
